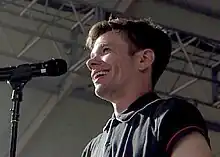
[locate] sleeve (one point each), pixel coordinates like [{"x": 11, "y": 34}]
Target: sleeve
[
  {"x": 88, "y": 150},
  {"x": 179, "y": 119}
]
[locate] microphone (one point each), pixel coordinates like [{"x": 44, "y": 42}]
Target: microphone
[{"x": 53, "y": 67}]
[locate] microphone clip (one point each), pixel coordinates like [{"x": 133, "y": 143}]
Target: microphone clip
[
  {"x": 21, "y": 75},
  {"x": 18, "y": 78}
]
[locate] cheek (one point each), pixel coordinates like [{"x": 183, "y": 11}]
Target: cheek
[
  {"x": 123, "y": 71},
  {"x": 108, "y": 58},
  {"x": 121, "y": 67}
]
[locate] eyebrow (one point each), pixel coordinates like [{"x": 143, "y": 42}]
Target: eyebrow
[{"x": 104, "y": 44}]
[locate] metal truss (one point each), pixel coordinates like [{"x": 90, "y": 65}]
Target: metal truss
[
  {"x": 47, "y": 19},
  {"x": 204, "y": 55},
  {"x": 46, "y": 23},
  {"x": 41, "y": 23}
]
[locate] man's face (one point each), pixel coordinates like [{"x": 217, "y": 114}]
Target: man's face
[{"x": 112, "y": 68}]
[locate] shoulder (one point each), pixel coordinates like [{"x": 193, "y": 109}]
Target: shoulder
[
  {"x": 179, "y": 112},
  {"x": 176, "y": 104},
  {"x": 177, "y": 118},
  {"x": 174, "y": 107}
]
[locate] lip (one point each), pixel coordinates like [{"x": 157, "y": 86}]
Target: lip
[
  {"x": 94, "y": 72},
  {"x": 97, "y": 80}
]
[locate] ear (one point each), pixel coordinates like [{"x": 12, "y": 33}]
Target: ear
[{"x": 145, "y": 59}]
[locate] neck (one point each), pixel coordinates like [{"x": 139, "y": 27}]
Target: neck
[{"x": 125, "y": 100}]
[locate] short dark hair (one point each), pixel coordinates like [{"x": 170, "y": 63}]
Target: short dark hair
[{"x": 142, "y": 34}]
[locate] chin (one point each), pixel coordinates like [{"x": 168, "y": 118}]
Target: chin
[{"x": 101, "y": 92}]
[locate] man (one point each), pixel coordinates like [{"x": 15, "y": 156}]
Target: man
[{"x": 127, "y": 58}]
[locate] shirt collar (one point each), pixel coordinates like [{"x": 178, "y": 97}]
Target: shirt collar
[{"x": 141, "y": 103}]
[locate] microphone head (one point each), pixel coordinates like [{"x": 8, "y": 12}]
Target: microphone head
[{"x": 55, "y": 67}]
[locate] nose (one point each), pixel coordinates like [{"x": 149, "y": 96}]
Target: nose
[{"x": 92, "y": 63}]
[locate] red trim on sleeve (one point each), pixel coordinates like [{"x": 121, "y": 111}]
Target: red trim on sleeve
[{"x": 180, "y": 131}]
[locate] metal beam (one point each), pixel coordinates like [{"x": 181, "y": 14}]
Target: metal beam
[
  {"x": 184, "y": 44},
  {"x": 168, "y": 15},
  {"x": 20, "y": 6},
  {"x": 123, "y": 5},
  {"x": 185, "y": 52},
  {"x": 28, "y": 6},
  {"x": 215, "y": 86},
  {"x": 183, "y": 48},
  {"x": 26, "y": 48},
  {"x": 185, "y": 98},
  {"x": 22, "y": 58},
  {"x": 77, "y": 18},
  {"x": 37, "y": 19},
  {"x": 84, "y": 18},
  {"x": 36, "y": 39},
  {"x": 176, "y": 18},
  {"x": 35, "y": 33},
  {"x": 5, "y": 36},
  {"x": 195, "y": 62},
  {"x": 191, "y": 75},
  {"x": 188, "y": 83}
]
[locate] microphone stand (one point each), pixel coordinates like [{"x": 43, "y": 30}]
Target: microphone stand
[{"x": 20, "y": 76}]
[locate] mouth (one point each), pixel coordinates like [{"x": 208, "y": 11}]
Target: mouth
[{"x": 100, "y": 74}]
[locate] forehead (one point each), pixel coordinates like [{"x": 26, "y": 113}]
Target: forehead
[{"x": 112, "y": 39}]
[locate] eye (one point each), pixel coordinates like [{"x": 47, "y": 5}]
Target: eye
[{"x": 106, "y": 50}]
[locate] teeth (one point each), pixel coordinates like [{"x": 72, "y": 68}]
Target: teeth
[{"x": 100, "y": 73}]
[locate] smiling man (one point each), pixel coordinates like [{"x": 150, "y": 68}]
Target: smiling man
[{"x": 127, "y": 58}]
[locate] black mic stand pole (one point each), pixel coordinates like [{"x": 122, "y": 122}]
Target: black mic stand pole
[{"x": 20, "y": 76}]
